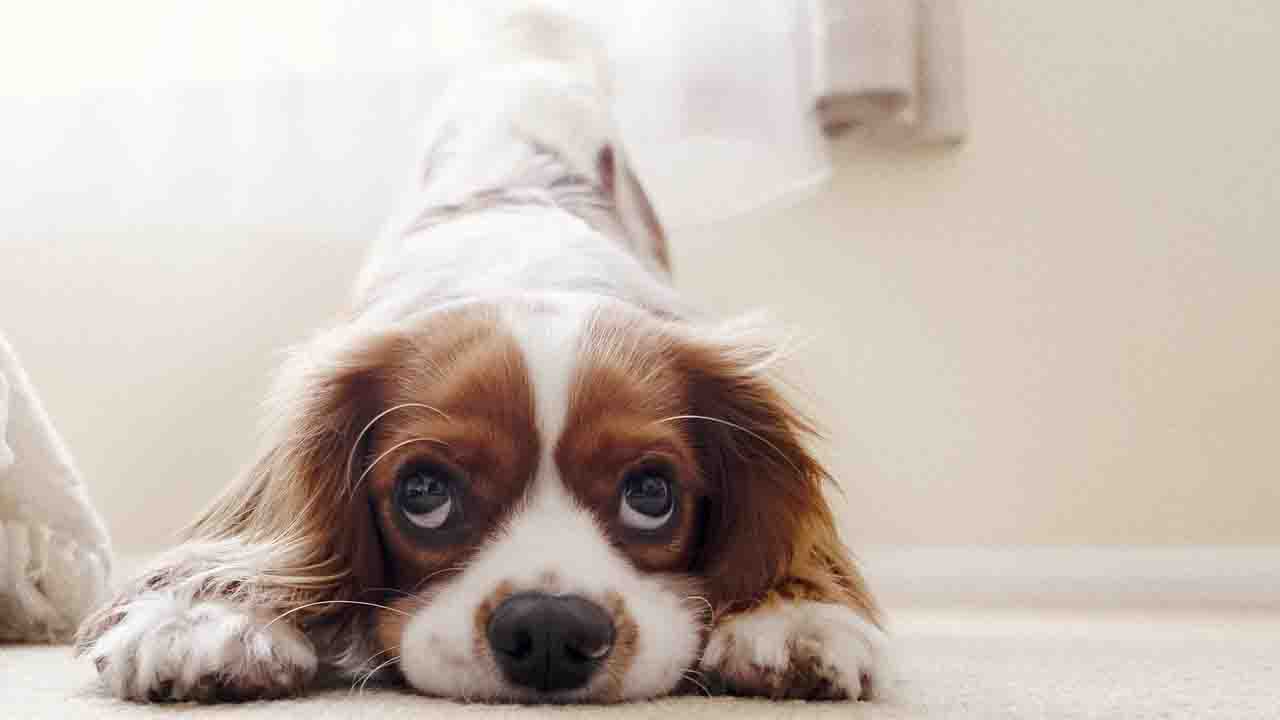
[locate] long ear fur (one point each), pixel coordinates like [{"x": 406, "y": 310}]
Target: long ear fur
[
  {"x": 298, "y": 495},
  {"x": 770, "y": 527},
  {"x": 289, "y": 532}
]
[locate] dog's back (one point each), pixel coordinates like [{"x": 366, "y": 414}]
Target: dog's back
[{"x": 521, "y": 185}]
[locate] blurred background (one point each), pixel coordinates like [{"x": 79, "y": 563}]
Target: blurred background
[{"x": 1064, "y": 331}]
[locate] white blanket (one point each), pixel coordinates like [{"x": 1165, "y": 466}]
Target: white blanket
[{"x": 54, "y": 551}]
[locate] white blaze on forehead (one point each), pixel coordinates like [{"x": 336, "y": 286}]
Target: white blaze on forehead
[
  {"x": 549, "y": 337},
  {"x": 553, "y": 525}
]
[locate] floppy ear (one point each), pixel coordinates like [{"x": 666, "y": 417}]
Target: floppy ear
[
  {"x": 632, "y": 204},
  {"x": 769, "y": 527},
  {"x": 289, "y": 531},
  {"x": 299, "y": 495}
]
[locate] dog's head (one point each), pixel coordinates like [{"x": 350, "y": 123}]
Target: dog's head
[{"x": 552, "y": 497}]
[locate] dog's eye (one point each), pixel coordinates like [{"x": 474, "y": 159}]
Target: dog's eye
[
  {"x": 648, "y": 498},
  {"x": 426, "y": 495}
]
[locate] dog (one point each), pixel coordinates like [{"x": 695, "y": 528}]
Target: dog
[{"x": 520, "y": 467}]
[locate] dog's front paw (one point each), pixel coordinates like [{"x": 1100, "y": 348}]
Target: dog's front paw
[
  {"x": 163, "y": 649},
  {"x": 797, "y": 649}
]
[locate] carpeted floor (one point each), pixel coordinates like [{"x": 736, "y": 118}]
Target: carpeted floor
[{"x": 995, "y": 664}]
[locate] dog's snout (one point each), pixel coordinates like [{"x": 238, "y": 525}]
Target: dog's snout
[{"x": 549, "y": 642}]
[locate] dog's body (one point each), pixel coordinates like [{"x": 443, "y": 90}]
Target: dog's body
[{"x": 522, "y": 469}]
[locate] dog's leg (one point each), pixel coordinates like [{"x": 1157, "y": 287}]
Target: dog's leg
[
  {"x": 287, "y": 549},
  {"x": 176, "y": 636}
]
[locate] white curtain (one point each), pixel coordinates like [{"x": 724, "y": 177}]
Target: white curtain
[{"x": 302, "y": 114}]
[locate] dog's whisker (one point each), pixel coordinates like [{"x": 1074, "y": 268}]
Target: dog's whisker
[
  {"x": 374, "y": 671},
  {"x": 711, "y": 611},
  {"x": 365, "y": 675},
  {"x": 441, "y": 571},
  {"x": 404, "y": 595},
  {"x": 351, "y": 457},
  {"x": 686, "y": 675},
  {"x": 287, "y": 613},
  {"x": 387, "y": 452},
  {"x": 735, "y": 426},
  {"x": 398, "y": 591},
  {"x": 370, "y": 659},
  {"x": 360, "y": 677}
]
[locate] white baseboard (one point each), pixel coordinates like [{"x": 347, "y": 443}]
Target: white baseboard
[{"x": 1242, "y": 578}]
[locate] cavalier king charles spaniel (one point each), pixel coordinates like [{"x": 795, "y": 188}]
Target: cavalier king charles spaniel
[{"x": 520, "y": 468}]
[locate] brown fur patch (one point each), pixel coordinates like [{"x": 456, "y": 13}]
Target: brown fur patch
[
  {"x": 626, "y": 635},
  {"x": 646, "y": 386},
  {"x": 470, "y": 371},
  {"x": 624, "y": 392},
  {"x": 484, "y": 612},
  {"x": 342, "y": 540}
]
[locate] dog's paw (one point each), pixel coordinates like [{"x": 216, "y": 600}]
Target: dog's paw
[
  {"x": 163, "y": 649},
  {"x": 801, "y": 649}
]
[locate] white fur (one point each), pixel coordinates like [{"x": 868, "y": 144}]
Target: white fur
[
  {"x": 167, "y": 647},
  {"x": 751, "y": 649},
  {"x": 523, "y": 118},
  {"x": 514, "y": 252},
  {"x": 549, "y": 343},
  {"x": 549, "y": 544}
]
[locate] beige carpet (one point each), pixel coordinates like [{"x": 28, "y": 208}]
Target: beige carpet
[{"x": 1005, "y": 664}]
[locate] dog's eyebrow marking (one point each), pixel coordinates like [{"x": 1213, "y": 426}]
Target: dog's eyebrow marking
[
  {"x": 287, "y": 613},
  {"x": 351, "y": 456}
]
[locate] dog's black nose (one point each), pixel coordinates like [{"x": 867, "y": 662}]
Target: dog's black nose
[{"x": 549, "y": 642}]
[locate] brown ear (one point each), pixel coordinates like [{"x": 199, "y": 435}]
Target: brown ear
[
  {"x": 632, "y": 204},
  {"x": 769, "y": 527},
  {"x": 289, "y": 533},
  {"x": 297, "y": 503}
]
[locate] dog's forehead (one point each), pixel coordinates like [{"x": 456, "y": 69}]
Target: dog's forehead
[
  {"x": 549, "y": 335},
  {"x": 590, "y": 358},
  {"x": 466, "y": 365},
  {"x": 562, "y": 379}
]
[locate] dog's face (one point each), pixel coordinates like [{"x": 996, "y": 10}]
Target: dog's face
[
  {"x": 542, "y": 512},
  {"x": 553, "y": 497}
]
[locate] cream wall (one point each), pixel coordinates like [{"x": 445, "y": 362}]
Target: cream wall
[{"x": 1066, "y": 332}]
